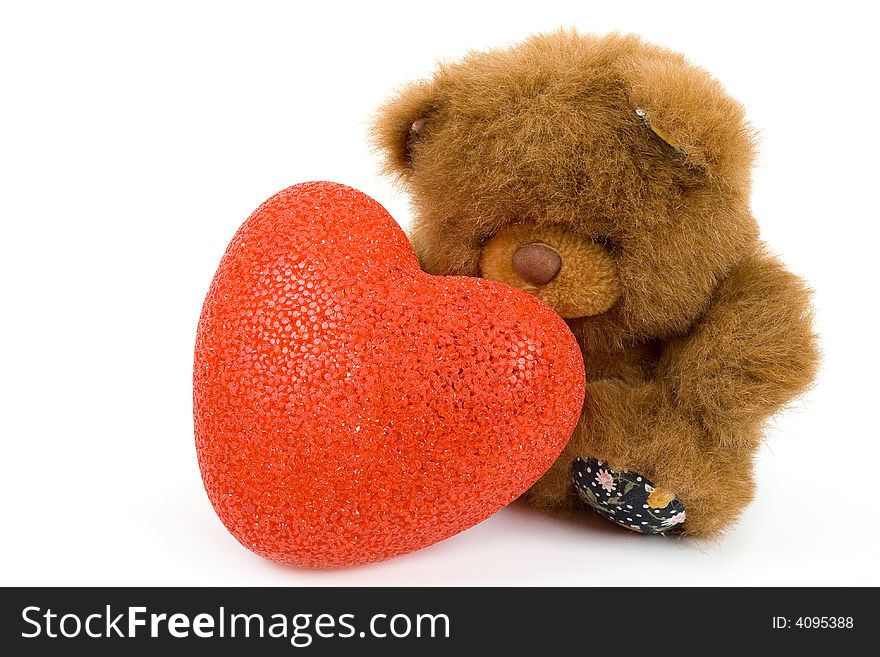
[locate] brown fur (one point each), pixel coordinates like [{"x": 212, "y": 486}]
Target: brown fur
[{"x": 708, "y": 335}]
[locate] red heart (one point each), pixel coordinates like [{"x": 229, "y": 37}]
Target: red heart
[{"x": 349, "y": 407}]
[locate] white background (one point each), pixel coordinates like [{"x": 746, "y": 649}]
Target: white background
[{"x": 134, "y": 141}]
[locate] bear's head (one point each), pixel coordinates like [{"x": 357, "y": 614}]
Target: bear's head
[{"x": 604, "y": 175}]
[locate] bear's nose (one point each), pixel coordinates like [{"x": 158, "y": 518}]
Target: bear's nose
[{"x": 537, "y": 263}]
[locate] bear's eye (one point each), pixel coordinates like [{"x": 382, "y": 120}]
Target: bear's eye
[
  {"x": 412, "y": 137},
  {"x": 485, "y": 237},
  {"x": 604, "y": 240}
]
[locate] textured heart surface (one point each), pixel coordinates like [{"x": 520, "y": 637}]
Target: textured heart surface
[{"x": 349, "y": 407}]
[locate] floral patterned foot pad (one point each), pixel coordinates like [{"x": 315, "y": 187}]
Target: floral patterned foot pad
[{"x": 626, "y": 498}]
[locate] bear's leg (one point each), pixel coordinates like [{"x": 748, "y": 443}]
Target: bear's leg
[
  {"x": 627, "y": 498},
  {"x": 634, "y": 433},
  {"x": 699, "y": 498}
]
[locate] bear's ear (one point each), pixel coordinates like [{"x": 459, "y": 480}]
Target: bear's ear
[
  {"x": 662, "y": 134},
  {"x": 685, "y": 107},
  {"x": 399, "y": 124}
]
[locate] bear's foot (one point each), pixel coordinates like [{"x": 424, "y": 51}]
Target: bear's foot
[{"x": 626, "y": 498}]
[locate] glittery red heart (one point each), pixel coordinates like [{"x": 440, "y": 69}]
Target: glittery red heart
[{"x": 349, "y": 407}]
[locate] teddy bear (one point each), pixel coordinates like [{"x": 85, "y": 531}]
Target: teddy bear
[{"x": 610, "y": 178}]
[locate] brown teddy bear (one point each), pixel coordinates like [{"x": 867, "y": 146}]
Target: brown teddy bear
[{"x": 611, "y": 179}]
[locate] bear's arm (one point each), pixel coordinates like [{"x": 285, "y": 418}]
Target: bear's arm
[
  {"x": 752, "y": 352},
  {"x": 693, "y": 426}
]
